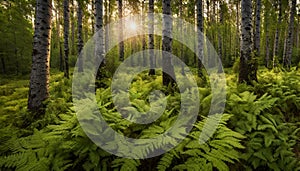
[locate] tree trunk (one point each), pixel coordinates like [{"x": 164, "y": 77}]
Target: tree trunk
[
  {"x": 121, "y": 45},
  {"x": 151, "y": 36},
  {"x": 181, "y": 33},
  {"x": 267, "y": 60},
  {"x": 253, "y": 62},
  {"x": 72, "y": 28},
  {"x": 220, "y": 30},
  {"x": 246, "y": 63},
  {"x": 297, "y": 41},
  {"x": 200, "y": 37},
  {"x": 80, "y": 39},
  {"x": 143, "y": 36},
  {"x": 237, "y": 28},
  {"x": 3, "y": 65},
  {"x": 66, "y": 36},
  {"x": 276, "y": 40},
  {"x": 39, "y": 78},
  {"x": 257, "y": 29},
  {"x": 57, "y": 18},
  {"x": 289, "y": 46},
  {"x": 99, "y": 29},
  {"x": 93, "y": 16},
  {"x": 107, "y": 21},
  {"x": 167, "y": 66},
  {"x": 267, "y": 36},
  {"x": 284, "y": 50}
]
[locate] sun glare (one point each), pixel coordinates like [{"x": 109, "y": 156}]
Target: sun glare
[{"x": 132, "y": 26}]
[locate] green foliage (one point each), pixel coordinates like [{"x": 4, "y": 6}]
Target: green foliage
[
  {"x": 270, "y": 139},
  {"x": 260, "y": 130},
  {"x": 220, "y": 150},
  {"x": 59, "y": 143},
  {"x": 16, "y": 36}
]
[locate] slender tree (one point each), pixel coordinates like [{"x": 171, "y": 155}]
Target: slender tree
[
  {"x": 237, "y": 28},
  {"x": 167, "y": 67},
  {"x": 144, "y": 44},
  {"x": 276, "y": 40},
  {"x": 220, "y": 29},
  {"x": 256, "y": 46},
  {"x": 181, "y": 34},
  {"x": 39, "y": 78},
  {"x": 72, "y": 18},
  {"x": 121, "y": 45},
  {"x": 200, "y": 37},
  {"x": 289, "y": 46},
  {"x": 66, "y": 36},
  {"x": 58, "y": 21},
  {"x": 267, "y": 34},
  {"x": 151, "y": 36},
  {"x": 257, "y": 29},
  {"x": 107, "y": 21},
  {"x": 93, "y": 16},
  {"x": 246, "y": 63},
  {"x": 100, "y": 49},
  {"x": 79, "y": 34}
]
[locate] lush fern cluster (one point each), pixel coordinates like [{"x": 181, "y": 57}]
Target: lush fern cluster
[
  {"x": 258, "y": 131},
  {"x": 271, "y": 140}
]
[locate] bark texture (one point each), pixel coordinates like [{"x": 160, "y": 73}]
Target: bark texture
[
  {"x": 167, "y": 65},
  {"x": 257, "y": 28},
  {"x": 200, "y": 36},
  {"x": 144, "y": 44},
  {"x": 151, "y": 36},
  {"x": 289, "y": 44},
  {"x": 276, "y": 40},
  {"x": 246, "y": 63},
  {"x": 100, "y": 49},
  {"x": 66, "y": 36},
  {"x": 121, "y": 45},
  {"x": 39, "y": 78},
  {"x": 79, "y": 34}
]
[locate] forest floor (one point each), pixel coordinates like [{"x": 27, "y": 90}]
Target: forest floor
[{"x": 264, "y": 120}]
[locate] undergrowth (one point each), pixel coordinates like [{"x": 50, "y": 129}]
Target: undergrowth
[{"x": 259, "y": 130}]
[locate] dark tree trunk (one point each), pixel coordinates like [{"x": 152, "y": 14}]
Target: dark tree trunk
[
  {"x": 220, "y": 30},
  {"x": 181, "y": 33},
  {"x": 80, "y": 39},
  {"x": 73, "y": 44},
  {"x": 93, "y": 16},
  {"x": 200, "y": 37},
  {"x": 107, "y": 21},
  {"x": 58, "y": 21},
  {"x": 144, "y": 44},
  {"x": 66, "y": 36},
  {"x": 256, "y": 45},
  {"x": 39, "y": 78},
  {"x": 289, "y": 46},
  {"x": 237, "y": 28},
  {"x": 3, "y": 65},
  {"x": 121, "y": 45},
  {"x": 267, "y": 37},
  {"x": 167, "y": 66},
  {"x": 257, "y": 29},
  {"x": 276, "y": 40},
  {"x": 247, "y": 66},
  {"x": 57, "y": 18},
  {"x": 99, "y": 29},
  {"x": 151, "y": 36}
]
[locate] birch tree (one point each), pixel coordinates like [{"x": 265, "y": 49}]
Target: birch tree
[
  {"x": 167, "y": 66},
  {"x": 40, "y": 70}
]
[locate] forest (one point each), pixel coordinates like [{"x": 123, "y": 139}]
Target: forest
[{"x": 149, "y": 85}]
